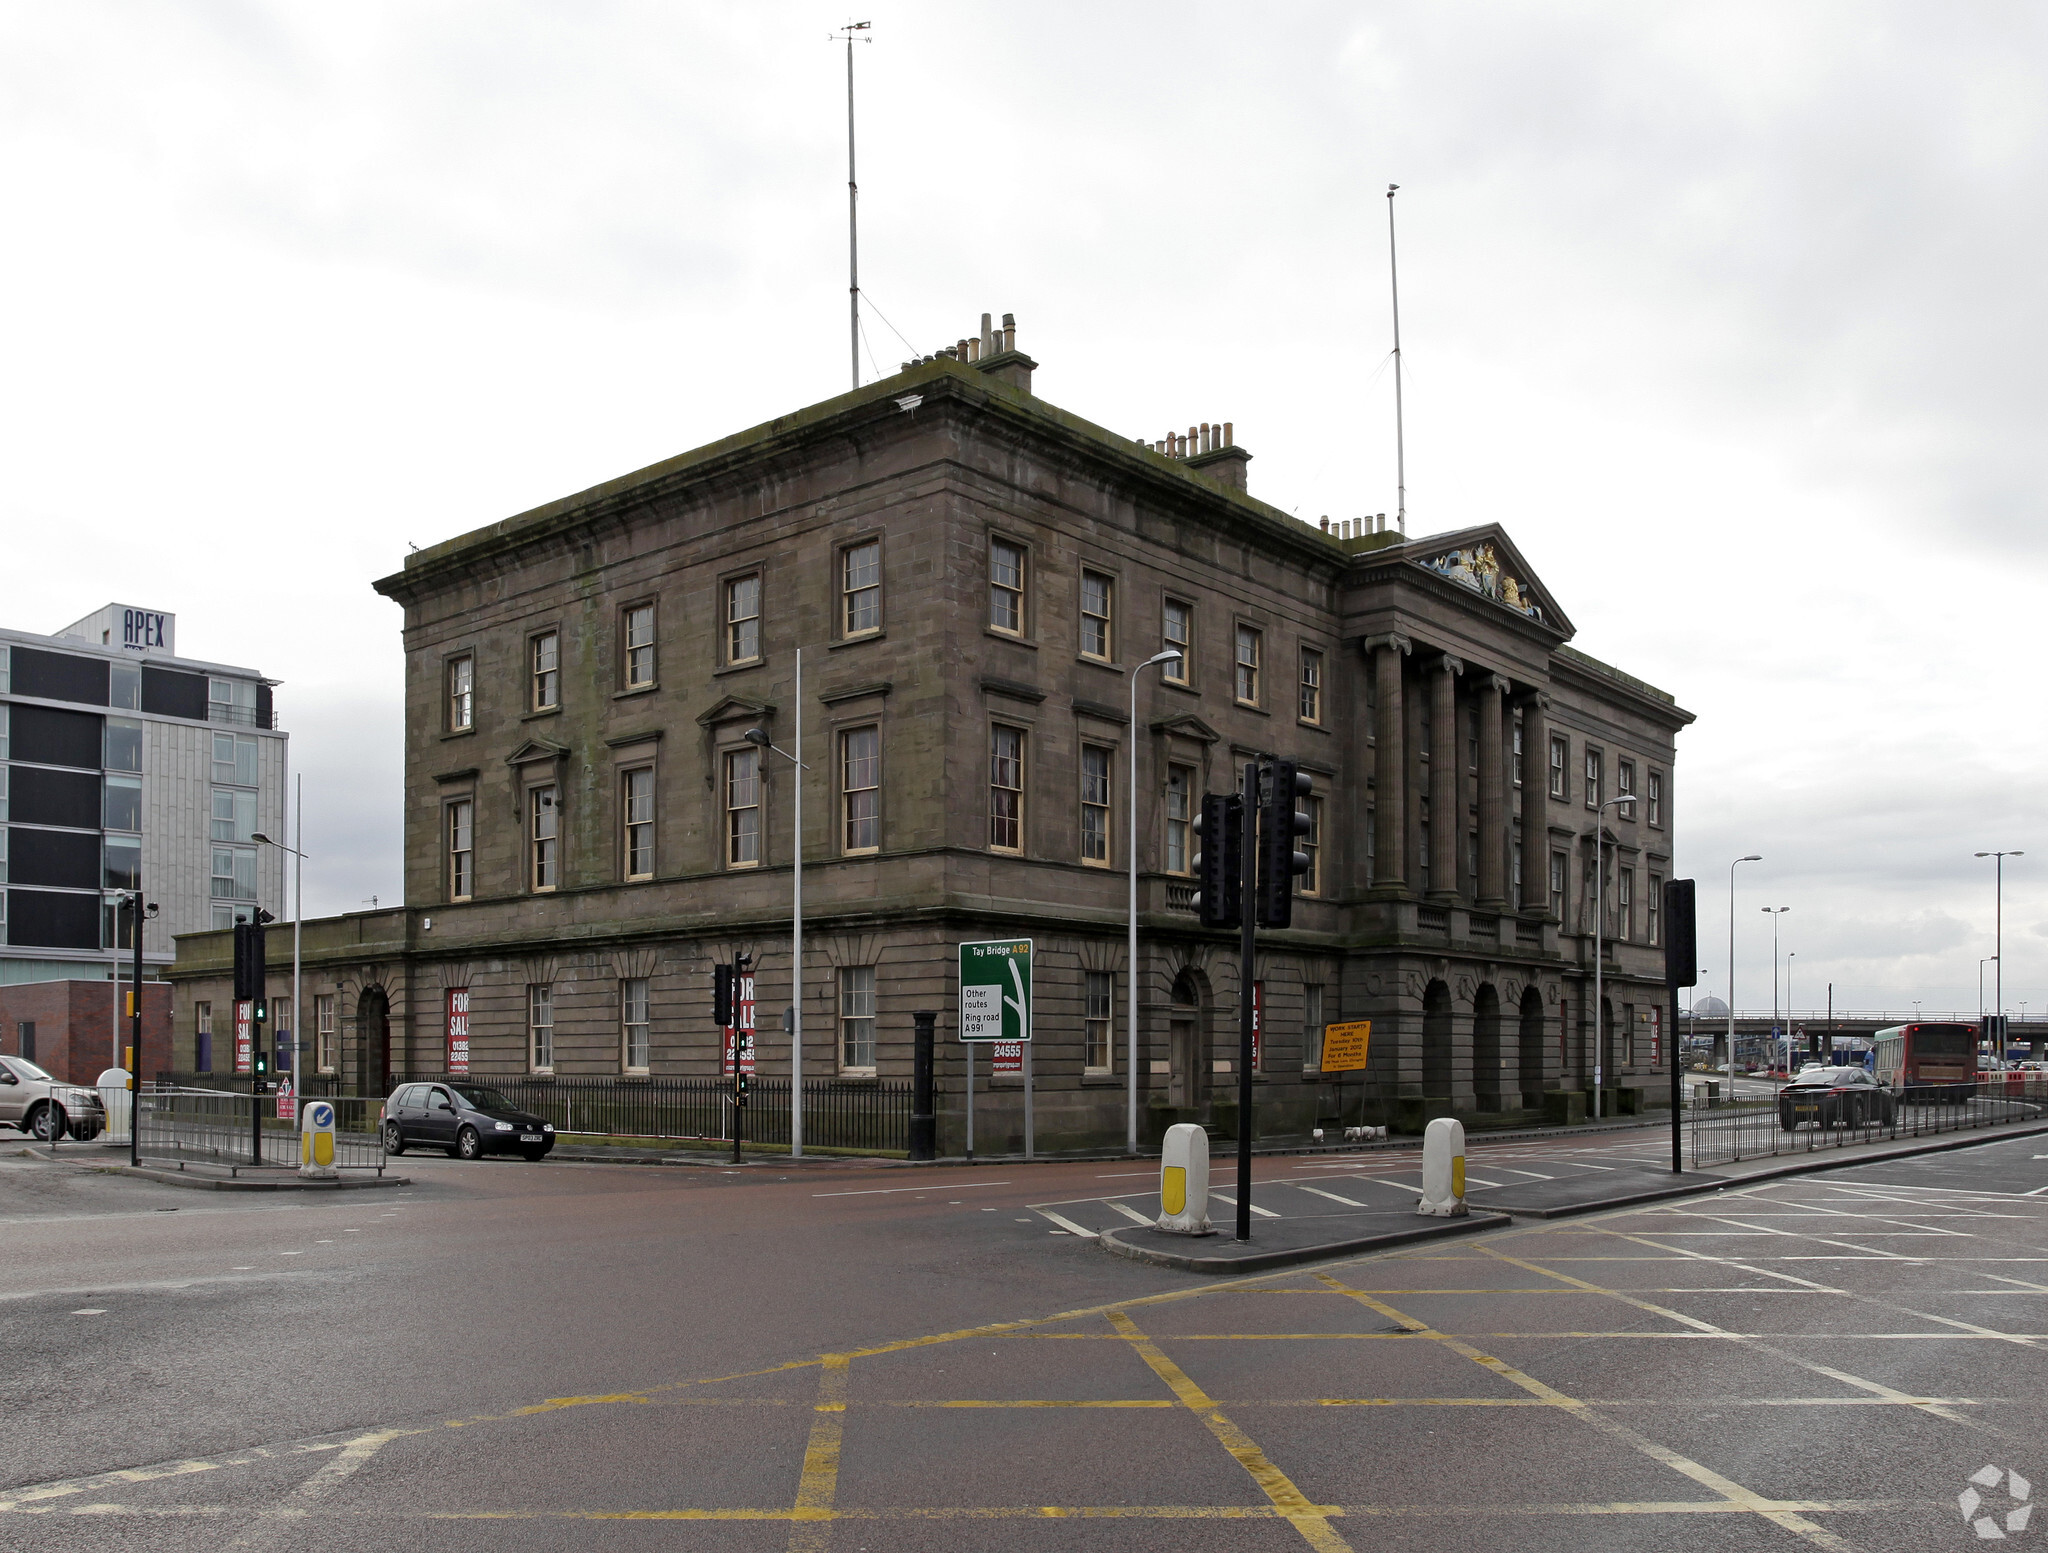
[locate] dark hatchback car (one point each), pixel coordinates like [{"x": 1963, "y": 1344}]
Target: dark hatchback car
[
  {"x": 1835, "y": 1097},
  {"x": 468, "y": 1120}
]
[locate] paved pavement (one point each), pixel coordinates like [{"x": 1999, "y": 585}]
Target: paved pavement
[{"x": 839, "y": 1356}]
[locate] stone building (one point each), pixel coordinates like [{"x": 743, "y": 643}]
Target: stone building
[{"x": 975, "y": 580}]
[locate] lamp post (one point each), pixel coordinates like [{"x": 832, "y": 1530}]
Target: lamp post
[
  {"x": 1754, "y": 857},
  {"x": 1171, "y": 655},
  {"x": 1773, "y": 912},
  {"x": 1599, "y": 936},
  {"x": 1998, "y": 945},
  {"x": 758, "y": 736},
  {"x": 298, "y": 920},
  {"x": 1791, "y": 1018},
  {"x": 1980, "y": 990}
]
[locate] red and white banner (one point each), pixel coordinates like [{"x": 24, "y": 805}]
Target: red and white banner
[
  {"x": 1006, "y": 1057},
  {"x": 1656, "y": 1035},
  {"x": 458, "y": 1030},
  {"x": 287, "y": 1102},
  {"x": 1258, "y": 1027},
  {"x": 739, "y": 1036},
  {"x": 245, "y": 1038}
]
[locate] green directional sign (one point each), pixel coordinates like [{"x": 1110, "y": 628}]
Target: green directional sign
[{"x": 995, "y": 990}]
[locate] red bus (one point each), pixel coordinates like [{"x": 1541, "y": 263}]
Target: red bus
[{"x": 1928, "y": 1061}]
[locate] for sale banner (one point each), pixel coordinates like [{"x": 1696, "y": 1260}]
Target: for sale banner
[
  {"x": 245, "y": 1038},
  {"x": 458, "y": 1030},
  {"x": 739, "y": 1036}
]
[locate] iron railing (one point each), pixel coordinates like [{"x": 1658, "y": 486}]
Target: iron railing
[
  {"x": 838, "y": 1113},
  {"x": 242, "y": 1132},
  {"x": 1749, "y": 1128}
]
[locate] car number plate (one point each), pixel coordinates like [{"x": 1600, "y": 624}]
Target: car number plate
[{"x": 529, "y": 1137}]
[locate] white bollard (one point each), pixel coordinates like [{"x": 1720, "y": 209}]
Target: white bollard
[
  {"x": 1443, "y": 1169},
  {"x": 316, "y": 1140},
  {"x": 1184, "y": 1181},
  {"x": 119, "y": 1103}
]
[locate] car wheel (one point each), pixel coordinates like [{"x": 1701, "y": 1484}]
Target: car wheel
[
  {"x": 48, "y": 1122},
  {"x": 394, "y": 1140},
  {"x": 469, "y": 1144},
  {"x": 1786, "y": 1119}
]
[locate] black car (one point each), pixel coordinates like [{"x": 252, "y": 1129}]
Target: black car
[
  {"x": 1835, "y": 1097},
  {"x": 468, "y": 1120}
]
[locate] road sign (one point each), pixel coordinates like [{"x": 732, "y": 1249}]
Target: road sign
[
  {"x": 995, "y": 990},
  {"x": 1344, "y": 1045},
  {"x": 1005, "y": 1057}
]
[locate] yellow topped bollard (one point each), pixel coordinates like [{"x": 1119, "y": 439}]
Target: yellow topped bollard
[
  {"x": 1184, "y": 1181},
  {"x": 1443, "y": 1169},
  {"x": 316, "y": 1140}
]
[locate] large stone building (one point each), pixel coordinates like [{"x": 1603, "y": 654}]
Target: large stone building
[{"x": 974, "y": 577}]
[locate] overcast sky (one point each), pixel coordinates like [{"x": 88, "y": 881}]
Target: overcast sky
[{"x": 1731, "y": 314}]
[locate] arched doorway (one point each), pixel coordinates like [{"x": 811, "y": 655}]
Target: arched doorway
[
  {"x": 1187, "y": 1044},
  {"x": 373, "y": 1042},
  {"x": 1486, "y": 1071},
  {"x": 1532, "y": 1049},
  {"x": 1436, "y": 1042}
]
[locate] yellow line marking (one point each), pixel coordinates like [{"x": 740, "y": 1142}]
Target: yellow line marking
[
  {"x": 819, "y": 1483},
  {"x": 1312, "y": 1521},
  {"x": 1144, "y": 1402},
  {"x": 1705, "y": 1476}
]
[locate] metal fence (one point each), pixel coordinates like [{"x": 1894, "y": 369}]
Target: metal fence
[
  {"x": 837, "y": 1114},
  {"x": 1750, "y": 1128},
  {"x": 241, "y": 1132}
]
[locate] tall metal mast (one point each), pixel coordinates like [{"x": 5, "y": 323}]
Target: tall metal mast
[
  {"x": 852, "y": 206},
  {"x": 1400, "y": 444}
]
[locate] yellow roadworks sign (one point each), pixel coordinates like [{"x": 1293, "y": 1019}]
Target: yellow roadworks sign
[{"x": 1344, "y": 1045}]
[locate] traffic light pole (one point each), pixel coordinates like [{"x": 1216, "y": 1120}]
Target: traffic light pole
[
  {"x": 1247, "y": 969},
  {"x": 135, "y": 1040}
]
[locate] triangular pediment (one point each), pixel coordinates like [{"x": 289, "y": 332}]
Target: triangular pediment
[
  {"x": 1188, "y": 726},
  {"x": 732, "y": 709},
  {"x": 536, "y": 749},
  {"x": 1486, "y": 561}
]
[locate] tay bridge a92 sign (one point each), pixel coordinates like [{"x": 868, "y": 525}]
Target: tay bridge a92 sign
[{"x": 995, "y": 990}]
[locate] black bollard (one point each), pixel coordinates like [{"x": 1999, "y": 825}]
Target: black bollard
[{"x": 923, "y": 1121}]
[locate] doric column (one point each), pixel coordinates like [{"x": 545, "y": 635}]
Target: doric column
[
  {"x": 1390, "y": 769},
  {"x": 1446, "y": 816},
  {"x": 1535, "y": 801},
  {"x": 1493, "y": 772}
]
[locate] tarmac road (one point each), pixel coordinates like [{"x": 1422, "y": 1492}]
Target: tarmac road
[{"x": 854, "y": 1357}]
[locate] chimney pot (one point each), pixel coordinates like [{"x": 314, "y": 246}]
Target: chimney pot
[
  {"x": 1326, "y": 523},
  {"x": 1229, "y": 437}
]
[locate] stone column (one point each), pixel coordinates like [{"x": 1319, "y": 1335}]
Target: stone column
[
  {"x": 1535, "y": 801},
  {"x": 1493, "y": 775},
  {"x": 1446, "y": 755},
  {"x": 1390, "y": 769}
]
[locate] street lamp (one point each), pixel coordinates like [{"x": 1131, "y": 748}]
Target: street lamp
[
  {"x": 1980, "y": 990},
  {"x": 1791, "y": 1018},
  {"x": 298, "y": 1079},
  {"x": 1774, "y": 912},
  {"x": 1754, "y": 857},
  {"x": 1171, "y": 655},
  {"x": 758, "y": 736},
  {"x": 1599, "y": 933},
  {"x": 1998, "y": 945}
]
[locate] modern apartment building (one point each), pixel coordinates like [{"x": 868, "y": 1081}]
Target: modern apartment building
[
  {"x": 122, "y": 762},
  {"x": 976, "y": 580}
]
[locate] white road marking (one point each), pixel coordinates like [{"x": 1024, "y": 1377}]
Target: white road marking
[
  {"x": 1346, "y": 1201},
  {"x": 1130, "y": 1213},
  {"x": 90, "y": 1310},
  {"x": 1538, "y": 1175},
  {"x": 1403, "y": 1185},
  {"x": 1264, "y": 1213},
  {"x": 1067, "y": 1224},
  {"x": 883, "y": 1191}
]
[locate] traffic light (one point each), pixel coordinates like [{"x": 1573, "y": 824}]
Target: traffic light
[
  {"x": 1219, "y": 860},
  {"x": 723, "y": 981},
  {"x": 262, "y": 1062},
  {"x": 1681, "y": 935},
  {"x": 249, "y": 961},
  {"x": 261, "y": 1012},
  {"x": 1280, "y": 823}
]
